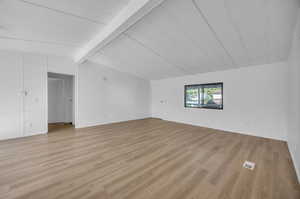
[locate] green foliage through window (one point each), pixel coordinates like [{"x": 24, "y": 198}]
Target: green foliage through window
[{"x": 204, "y": 96}]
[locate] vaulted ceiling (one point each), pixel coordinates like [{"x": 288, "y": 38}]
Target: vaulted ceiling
[
  {"x": 178, "y": 37},
  {"x": 53, "y": 26}
]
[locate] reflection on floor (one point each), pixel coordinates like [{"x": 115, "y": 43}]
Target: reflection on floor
[{"x": 57, "y": 127}]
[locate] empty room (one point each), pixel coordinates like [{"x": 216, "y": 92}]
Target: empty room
[{"x": 149, "y": 99}]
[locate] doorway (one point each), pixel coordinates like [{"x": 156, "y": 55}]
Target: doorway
[{"x": 60, "y": 102}]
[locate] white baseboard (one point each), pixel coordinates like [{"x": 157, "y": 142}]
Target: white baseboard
[
  {"x": 295, "y": 164},
  {"x": 227, "y": 130},
  {"x": 86, "y": 125}
]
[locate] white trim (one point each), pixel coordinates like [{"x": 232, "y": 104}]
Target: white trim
[
  {"x": 86, "y": 125},
  {"x": 294, "y": 162},
  {"x": 22, "y": 97},
  {"x": 74, "y": 94},
  {"x": 46, "y": 95},
  {"x": 75, "y": 97},
  {"x": 226, "y": 130},
  {"x": 131, "y": 14}
]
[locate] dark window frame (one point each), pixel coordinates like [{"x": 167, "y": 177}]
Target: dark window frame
[{"x": 203, "y": 86}]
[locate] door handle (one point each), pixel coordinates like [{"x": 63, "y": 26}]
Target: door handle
[{"x": 24, "y": 92}]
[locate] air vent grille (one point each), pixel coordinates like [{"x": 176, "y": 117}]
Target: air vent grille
[{"x": 249, "y": 165}]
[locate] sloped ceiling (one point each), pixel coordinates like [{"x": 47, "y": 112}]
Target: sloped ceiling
[
  {"x": 179, "y": 37},
  {"x": 197, "y": 36},
  {"x": 53, "y": 26}
]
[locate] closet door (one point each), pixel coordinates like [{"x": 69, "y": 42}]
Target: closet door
[
  {"x": 10, "y": 95},
  {"x": 56, "y": 104},
  {"x": 35, "y": 86}
]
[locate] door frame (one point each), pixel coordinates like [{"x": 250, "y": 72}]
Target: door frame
[{"x": 75, "y": 97}]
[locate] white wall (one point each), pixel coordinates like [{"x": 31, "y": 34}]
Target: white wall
[
  {"x": 23, "y": 94},
  {"x": 255, "y": 101},
  {"x": 294, "y": 102},
  {"x": 20, "y": 114},
  {"x": 106, "y": 95},
  {"x": 103, "y": 95},
  {"x": 35, "y": 99},
  {"x": 61, "y": 65},
  {"x": 11, "y": 104}
]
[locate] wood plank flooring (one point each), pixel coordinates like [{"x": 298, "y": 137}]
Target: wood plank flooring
[
  {"x": 52, "y": 128},
  {"x": 145, "y": 159}
]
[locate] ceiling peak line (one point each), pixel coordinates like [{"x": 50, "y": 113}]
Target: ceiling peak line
[
  {"x": 186, "y": 35},
  {"x": 154, "y": 52},
  {"x": 237, "y": 29},
  {"x": 63, "y": 12},
  {"x": 213, "y": 31},
  {"x": 37, "y": 41},
  {"x": 267, "y": 31}
]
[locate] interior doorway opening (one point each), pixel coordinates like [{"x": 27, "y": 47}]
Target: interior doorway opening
[{"x": 61, "y": 114}]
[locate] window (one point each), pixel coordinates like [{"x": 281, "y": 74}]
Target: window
[{"x": 204, "y": 96}]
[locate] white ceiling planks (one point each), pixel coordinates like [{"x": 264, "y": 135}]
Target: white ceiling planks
[
  {"x": 133, "y": 12},
  {"x": 284, "y": 17},
  {"x": 99, "y": 11},
  {"x": 251, "y": 30},
  {"x": 177, "y": 37},
  {"x": 35, "y": 46},
  {"x": 127, "y": 55},
  {"x": 250, "y": 20},
  {"x": 190, "y": 21},
  {"x": 200, "y": 36},
  {"x": 57, "y": 26},
  {"x": 171, "y": 30},
  {"x": 217, "y": 16},
  {"x": 35, "y": 23}
]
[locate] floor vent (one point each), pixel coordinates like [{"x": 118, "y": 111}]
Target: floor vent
[{"x": 249, "y": 165}]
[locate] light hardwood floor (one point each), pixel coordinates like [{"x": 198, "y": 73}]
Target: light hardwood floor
[
  {"x": 57, "y": 127},
  {"x": 145, "y": 159}
]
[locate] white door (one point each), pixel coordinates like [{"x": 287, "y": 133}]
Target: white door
[
  {"x": 35, "y": 103},
  {"x": 56, "y": 103},
  {"x": 10, "y": 95}
]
